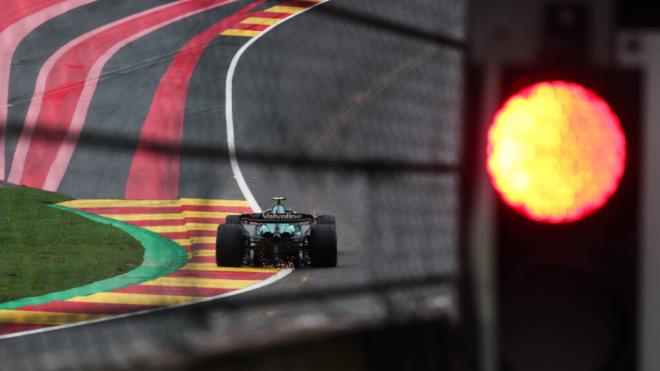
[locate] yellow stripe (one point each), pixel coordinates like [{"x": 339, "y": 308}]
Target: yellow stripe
[
  {"x": 172, "y": 216},
  {"x": 136, "y": 217},
  {"x": 213, "y": 267},
  {"x": 182, "y": 228},
  {"x": 201, "y": 282},
  {"x": 235, "y": 32},
  {"x": 260, "y": 20},
  {"x": 214, "y": 202},
  {"x": 44, "y": 318},
  {"x": 202, "y": 239},
  {"x": 154, "y": 203},
  {"x": 201, "y": 227},
  {"x": 285, "y": 9},
  {"x": 203, "y": 253},
  {"x": 192, "y": 240},
  {"x": 166, "y": 228},
  {"x": 137, "y": 299}
]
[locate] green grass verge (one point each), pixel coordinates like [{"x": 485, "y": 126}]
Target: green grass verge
[{"x": 44, "y": 249}]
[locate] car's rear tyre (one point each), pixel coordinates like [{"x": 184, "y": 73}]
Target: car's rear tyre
[
  {"x": 229, "y": 245},
  {"x": 323, "y": 245},
  {"x": 233, "y": 219},
  {"x": 325, "y": 219}
]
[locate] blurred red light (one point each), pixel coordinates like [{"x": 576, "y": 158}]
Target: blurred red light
[{"x": 556, "y": 152}]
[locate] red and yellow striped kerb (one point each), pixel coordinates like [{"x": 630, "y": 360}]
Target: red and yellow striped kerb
[
  {"x": 191, "y": 223},
  {"x": 257, "y": 22}
]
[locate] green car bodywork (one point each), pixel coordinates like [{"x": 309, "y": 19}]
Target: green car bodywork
[
  {"x": 277, "y": 236},
  {"x": 272, "y": 229}
]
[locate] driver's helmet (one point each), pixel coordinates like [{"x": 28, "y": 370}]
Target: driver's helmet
[{"x": 278, "y": 209}]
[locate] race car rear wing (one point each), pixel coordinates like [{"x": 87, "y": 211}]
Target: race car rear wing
[{"x": 277, "y": 218}]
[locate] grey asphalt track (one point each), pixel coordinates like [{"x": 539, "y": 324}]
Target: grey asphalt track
[
  {"x": 121, "y": 104},
  {"x": 330, "y": 110},
  {"x": 351, "y": 109},
  {"x": 39, "y": 45}
]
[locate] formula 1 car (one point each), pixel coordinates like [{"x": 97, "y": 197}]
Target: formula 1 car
[{"x": 275, "y": 237}]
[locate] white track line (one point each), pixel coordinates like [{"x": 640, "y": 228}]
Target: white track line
[
  {"x": 229, "y": 113},
  {"x": 276, "y": 277},
  {"x": 238, "y": 175}
]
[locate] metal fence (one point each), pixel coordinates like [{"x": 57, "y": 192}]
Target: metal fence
[{"x": 352, "y": 109}]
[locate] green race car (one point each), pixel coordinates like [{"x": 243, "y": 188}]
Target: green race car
[{"x": 275, "y": 237}]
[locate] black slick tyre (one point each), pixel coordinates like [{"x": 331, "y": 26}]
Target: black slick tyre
[
  {"x": 233, "y": 219},
  {"x": 323, "y": 245},
  {"x": 325, "y": 219},
  {"x": 229, "y": 245}
]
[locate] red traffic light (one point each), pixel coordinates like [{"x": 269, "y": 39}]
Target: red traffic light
[{"x": 556, "y": 151}]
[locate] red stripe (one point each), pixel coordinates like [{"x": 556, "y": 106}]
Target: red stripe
[
  {"x": 221, "y": 274},
  {"x": 299, "y": 4},
  {"x": 189, "y": 234},
  {"x": 64, "y": 88},
  {"x": 252, "y": 27},
  {"x": 173, "y": 290},
  {"x": 14, "y": 27},
  {"x": 10, "y": 328},
  {"x": 14, "y": 10},
  {"x": 147, "y": 223},
  {"x": 202, "y": 259},
  {"x": 270, "y": 15},
  {"x": 155, "y": 174},
  {"x": 204, "y": 246},
  {"x": 80, "y": 307},
  {"x": 165, "y": 210}
]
